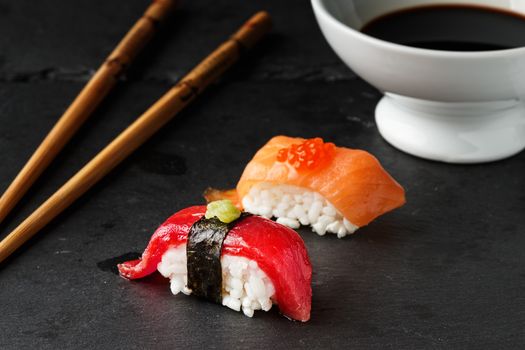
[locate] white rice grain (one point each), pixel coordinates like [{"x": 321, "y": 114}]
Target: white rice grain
[
  {"x": 294, "y": 206},
  {"x": 245, "y": 286}
]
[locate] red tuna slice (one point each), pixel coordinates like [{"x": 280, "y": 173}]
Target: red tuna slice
[{"x": 278, "y": 250}]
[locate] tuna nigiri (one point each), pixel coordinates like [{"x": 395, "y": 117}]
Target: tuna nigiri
[
  {"x": 310, "y": 182},
  {"x": 243, "y": 262}
]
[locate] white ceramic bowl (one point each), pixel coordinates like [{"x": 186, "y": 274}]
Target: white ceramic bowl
[{"x": 458, "y": 107}]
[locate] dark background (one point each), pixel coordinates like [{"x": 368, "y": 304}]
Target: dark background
[{"x": 445, "y": 271}]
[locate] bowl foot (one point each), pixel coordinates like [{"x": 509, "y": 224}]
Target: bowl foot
[{"x": 453, "y": 132}]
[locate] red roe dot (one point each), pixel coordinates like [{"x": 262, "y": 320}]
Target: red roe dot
[
  {"x": 282, "y": 155},
  {"x": 309, "y": 154}
]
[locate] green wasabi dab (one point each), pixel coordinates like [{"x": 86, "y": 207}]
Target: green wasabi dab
[{"x": 224, "y": 210}]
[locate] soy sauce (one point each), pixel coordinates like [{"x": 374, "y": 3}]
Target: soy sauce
[{"x": 451, "y": 28}]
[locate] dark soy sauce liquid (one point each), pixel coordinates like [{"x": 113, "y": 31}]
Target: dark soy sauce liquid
[{"x": 450, "y": 28}]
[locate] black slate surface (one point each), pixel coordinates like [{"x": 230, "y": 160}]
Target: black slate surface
[{"x": 445, "y": 271}]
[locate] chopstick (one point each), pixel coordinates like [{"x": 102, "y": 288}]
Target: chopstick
[
  {"x": 85, "y": 103},
  {"x": 142, "y": 129}
]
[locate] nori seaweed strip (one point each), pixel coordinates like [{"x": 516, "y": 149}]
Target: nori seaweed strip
[{"x": 203, "y": 252}]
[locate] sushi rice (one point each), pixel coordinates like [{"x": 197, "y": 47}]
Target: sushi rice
[
  {"x": 294, "y": 206},
  {"x": 245, "y": 285}
]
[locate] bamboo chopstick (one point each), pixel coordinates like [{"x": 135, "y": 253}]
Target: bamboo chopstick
[
  {"x": 86, "y": 102},
  {"x": 143, "y": 128}
]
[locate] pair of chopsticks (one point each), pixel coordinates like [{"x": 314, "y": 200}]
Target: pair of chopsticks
[{"x": 185, "y": 91}]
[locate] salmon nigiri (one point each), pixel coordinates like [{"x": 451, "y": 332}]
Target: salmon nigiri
[{"x": 309, "y": 182}]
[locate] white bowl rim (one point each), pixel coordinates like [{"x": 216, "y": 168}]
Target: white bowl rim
[{"x": 318, "y": 5}]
